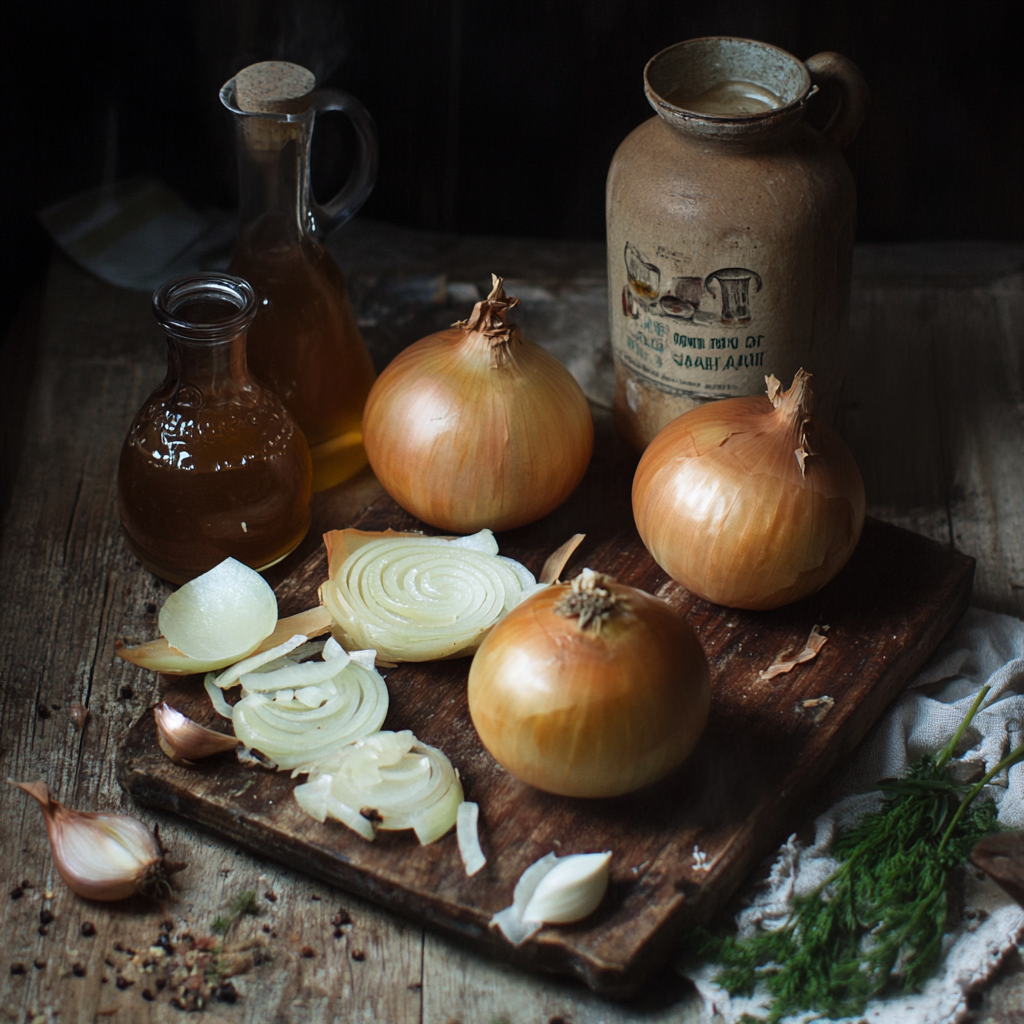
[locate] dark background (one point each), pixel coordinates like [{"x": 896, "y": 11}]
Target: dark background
[{"x": 494, "y": 117}]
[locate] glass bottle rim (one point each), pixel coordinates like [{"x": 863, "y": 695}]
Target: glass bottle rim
[{"x": 171, "y": 298}]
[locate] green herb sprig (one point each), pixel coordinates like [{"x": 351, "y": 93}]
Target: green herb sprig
[
  {"x": 244, "y": 903},
  {"x": 876, "y": 923}
]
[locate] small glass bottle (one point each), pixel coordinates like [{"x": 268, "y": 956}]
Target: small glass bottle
[
  {"x": 305, "y": 342},
  {"x": 213, "y": 465}
]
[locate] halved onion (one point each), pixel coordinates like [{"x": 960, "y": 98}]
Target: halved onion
[
  {"x": 160, "y": 656},
  {"x": 389, "y": 780},
  {"x": 416, "y": 598},
  {"x": 224, "y": 614}
]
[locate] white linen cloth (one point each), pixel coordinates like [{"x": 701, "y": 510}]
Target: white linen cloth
[{"x": 982, "y": 648}]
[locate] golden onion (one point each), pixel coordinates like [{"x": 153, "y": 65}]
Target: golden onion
[
  {"x": 476, "y": 427},
  {"x": 749, "y": 502},
  {"x": 590, "y": 689}
]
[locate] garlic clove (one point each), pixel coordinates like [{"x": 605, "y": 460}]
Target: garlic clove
[
  {"x": 571, "y": 890},
  {"x": 183, "y": 740},
  {"x": 554, "y": 890},
  {"x": 102, "y": 856}
]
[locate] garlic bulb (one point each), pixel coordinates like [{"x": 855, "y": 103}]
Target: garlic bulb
[
  {"x": 102, "y": 856},
  {"x": 476, "y": 427}
]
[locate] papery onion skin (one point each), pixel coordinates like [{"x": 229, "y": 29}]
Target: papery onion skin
[
  {"x": 475, "y": 427},
  {"x": 587, "y": 713},
  {"x": 723, "y": 506}
]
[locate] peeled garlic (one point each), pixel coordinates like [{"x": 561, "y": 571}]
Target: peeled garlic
[
  {"x": 181, "y": 739},
  {"x": 222, "y": 615},
  {"x": 554, "y": 890},
  {"x": 102, "y": 856}
]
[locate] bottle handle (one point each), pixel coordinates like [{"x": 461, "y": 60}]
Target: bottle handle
[
  {"x": 846, "y": 119},
  {"x": 357, "y": 189}
]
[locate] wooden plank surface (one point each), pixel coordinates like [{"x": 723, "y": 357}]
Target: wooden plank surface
[
  {"x": 68, "y": 591},
  {"x": 735, "y": 798}
]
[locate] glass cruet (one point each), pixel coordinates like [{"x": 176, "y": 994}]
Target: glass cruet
[
  {"x": 305, "y": 342},
  {"x": 213, "y": 465}
]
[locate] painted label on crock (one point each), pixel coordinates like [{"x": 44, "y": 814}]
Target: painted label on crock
[{"x": 690, "y": 330}]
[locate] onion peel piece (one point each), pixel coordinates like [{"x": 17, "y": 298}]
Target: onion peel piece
[
  {"x": 159, "y": 656},
  {"x": 467, "y": 830},
  {"x": 815, "y": 642}
]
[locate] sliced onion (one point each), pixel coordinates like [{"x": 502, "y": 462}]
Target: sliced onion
[
  {"x": 467, "y": 829},
  {"x": 264, "y": 659},
  {"x": 415, "y": 598},
  {"x": 400, "y": 782},
  {"x": 223, "y": 614},
  {"x": 295, "y": 736},
  {"x": 510, "y": 920}
]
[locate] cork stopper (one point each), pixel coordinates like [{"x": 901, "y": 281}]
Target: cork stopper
[{"x": 274, "y": 87}]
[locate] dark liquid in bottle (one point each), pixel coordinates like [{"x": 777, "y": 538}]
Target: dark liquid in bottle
[
  {"x": 242, "y": 492},
  {"x": 305, "y": 344}
]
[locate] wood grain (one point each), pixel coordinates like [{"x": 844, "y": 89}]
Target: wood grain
[{"x": 760, "y": 757}]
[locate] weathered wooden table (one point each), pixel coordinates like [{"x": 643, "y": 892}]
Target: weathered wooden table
[{"x": 934, "y": 411}]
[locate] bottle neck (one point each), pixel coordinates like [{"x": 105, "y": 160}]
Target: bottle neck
[
  {"x": 208, "y": 373},
  {"x": 273, "y": 176}
]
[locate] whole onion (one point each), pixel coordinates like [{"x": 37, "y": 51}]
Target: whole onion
[
  {"x": 590, "y": 689},
  {"x": 475, "y": 427},
  {"x": 749, "y": 502}
]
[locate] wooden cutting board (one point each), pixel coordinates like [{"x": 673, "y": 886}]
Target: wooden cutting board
[{"x": 739, "y": 795}]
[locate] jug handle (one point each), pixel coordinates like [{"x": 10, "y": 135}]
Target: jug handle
[
  {"x": 357, "y": 189},
  {"x": 846, "y": 119}
]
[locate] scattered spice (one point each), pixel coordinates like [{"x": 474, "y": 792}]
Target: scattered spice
[
  {"x": 316, "y": 897},
  {"x": 244, "y": 903},
  {"x": 38, "y": 964},
  {"x": 45, "y": 916},
  {"x": 270, "y": 896},
  {"x": 226, "y": 993},
  {"x": 150, "y": 608},
  {"x": 43, "y": 930},
  {"x": 79, "y": 715},
  {"x": 125, "y": 693},
  {"x": 42, "y": 711},
  {"x": 122, "y": 982},
  {"x": 338, "y": 933},
  {"x": 78, "y": 969},
  {"x": 88, "y": 929},
  {"x": 26, "y": 884},
  {"x": 341, "y": 917},
  {"x": 307, "y": 952},
  {"x": 17, "y": 892},
  {"x": 147, "y": 995},
  {"x": 17, "y": 968},
  {"x": 358, "y": 954}
]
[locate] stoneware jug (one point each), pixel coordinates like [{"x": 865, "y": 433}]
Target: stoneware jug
[{"x": 730, "y": 230}]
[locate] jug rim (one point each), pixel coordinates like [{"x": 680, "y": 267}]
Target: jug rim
[{"x": 719, "y": 125}]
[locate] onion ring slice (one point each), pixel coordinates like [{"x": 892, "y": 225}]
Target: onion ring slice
[{"x": 394, "y": 780}]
